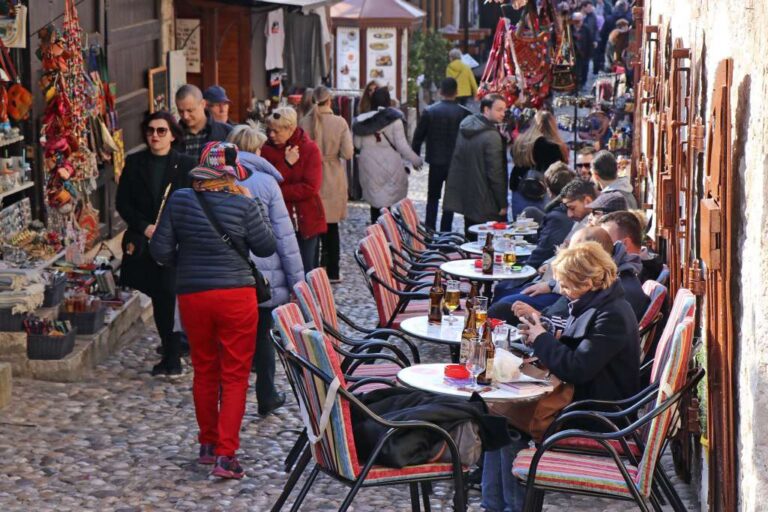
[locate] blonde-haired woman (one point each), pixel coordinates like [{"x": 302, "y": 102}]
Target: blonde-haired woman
[
  {"x": 283, "y": 269},
  {"x": 536, "y": 149},
  {"x": 598, "y": 352},
  {"x": 331, "y": 134},
  {"x": 300, "y": 163}
]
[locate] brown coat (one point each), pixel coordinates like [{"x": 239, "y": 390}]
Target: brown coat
[{"x": 335, "y": 146}]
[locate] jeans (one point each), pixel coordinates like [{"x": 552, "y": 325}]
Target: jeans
[
  {"x": 437, "y": 176},
  {"x": 163, "y": 310},
  {"x": 539, "y": 302},
  {"x": 308, "y": 250},
  {"x": 264, "y": 358},
  {"x": 330, "y": 251},
  {"x": 221, "y": 325},
  {"x": 501, "y": 490}
]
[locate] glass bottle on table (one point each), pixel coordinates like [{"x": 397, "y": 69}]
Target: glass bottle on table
[
  {"x": 486, "y": 376},
  {"x": 467, "y": 335},
  {"x": 487, "y": 257},
  {"x": 436, "y": 294},
  {"x": 474, "y": 291},
  {"x": 452, "y": 298}
]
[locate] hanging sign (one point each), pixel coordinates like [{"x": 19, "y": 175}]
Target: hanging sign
[
  {"x": 348, "y": 58},
  {"x": 381, "y": 56}
]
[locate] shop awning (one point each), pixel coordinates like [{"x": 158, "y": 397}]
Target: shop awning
[
  {"x": 376, "y": 9},
  {"x": 294, "y": 3}
]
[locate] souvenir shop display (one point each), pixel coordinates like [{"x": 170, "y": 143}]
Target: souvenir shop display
[
  {"x": 21, "y": 293},
  {"x": 84, "y": 311},
  {"x": 49, "y": 339}
]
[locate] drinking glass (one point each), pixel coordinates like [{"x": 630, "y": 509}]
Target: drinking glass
[
  {"x": 510, "y": 257},
  {"x": 481, "y": 311},
  {"x": 452, "y": 295},
  {"x": 475, "y": 360},
  {"x": 501, "y": 335}
]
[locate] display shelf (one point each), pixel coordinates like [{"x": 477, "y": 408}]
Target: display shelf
[
  {"x": 12, "y": 140},
  {"x": 16, "y": 189}
]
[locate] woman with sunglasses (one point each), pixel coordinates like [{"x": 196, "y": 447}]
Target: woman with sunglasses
[{"x": 149, "y": 178}]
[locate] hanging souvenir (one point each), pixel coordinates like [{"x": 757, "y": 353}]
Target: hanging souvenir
[
  {"x": 563, "y": 75},
  {"x": 499, "y": 74},
  {"x": 531, "y": 40},
  {"x": 18, "y": 97}
]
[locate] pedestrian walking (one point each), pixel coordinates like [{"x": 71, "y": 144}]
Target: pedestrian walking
[
  {"x": 379, "y": 135},
  {"x": 148, "y": 179},
  {"x": 218, "y": 104},
  {"x": 462, "y": 73},
  {"x": 439, "y": 127},
  {"x": 477, "y": 179},
  {"x": 300, "y": 163},
  {"x": 283, "y": 269},
  {"x": 217, "y": 294},
  {"x": 331, "y": 134},
  {"x": 199, "y": 126}
]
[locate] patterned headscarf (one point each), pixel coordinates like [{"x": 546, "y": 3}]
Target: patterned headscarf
[{"x": 217, "y": 160}]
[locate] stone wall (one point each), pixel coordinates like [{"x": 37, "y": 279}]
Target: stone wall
[{"x": 714, "y": 30}]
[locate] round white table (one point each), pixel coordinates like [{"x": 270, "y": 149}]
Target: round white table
[
  {"x": 477, "y": 248},
  {"x": 430, "y": 377},
  {"x": 467, "y": 269},
  {"x": 445, "y": 333},
  {"x": 482, "y": 229}
]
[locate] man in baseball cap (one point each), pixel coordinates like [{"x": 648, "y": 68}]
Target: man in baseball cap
[
  {"x": 218, "y": 103},
  {"x": 607, "y": 202}
]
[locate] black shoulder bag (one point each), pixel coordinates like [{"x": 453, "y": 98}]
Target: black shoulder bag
[{"x": 263, "y": 292}]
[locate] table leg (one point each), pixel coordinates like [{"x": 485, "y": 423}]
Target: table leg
[
  {"x": 488, "y": 290},
  {"x": 454, "y": 354}
]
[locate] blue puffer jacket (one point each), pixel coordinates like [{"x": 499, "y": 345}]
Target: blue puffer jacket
[
  {"x": 554, "y": 228},
  {"x": 185, "y": 239},
  {"x": 284, "y": 268}
]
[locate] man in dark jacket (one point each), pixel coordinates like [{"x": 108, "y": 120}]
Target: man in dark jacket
[
  {"x": 477, "y": 179},
  {"x": 199, "y": 127},
  {"x": 583, "y": 42},
  {"x": 620, "y": 12},
  {"x": 625, "y": 227},
  {"x": 556, "y": 224},
  {"x": 439, "y": 126},
  {"x": 605, "y": 174}
]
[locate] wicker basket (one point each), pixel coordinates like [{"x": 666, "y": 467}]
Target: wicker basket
[
  {"x": 41, "y": 346},
  {"x": 86, "y": 323},
  {"x": 54, "y": 293},
  {"x": 10, "y": 322}
]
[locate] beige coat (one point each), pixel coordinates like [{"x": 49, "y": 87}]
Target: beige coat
[{"x": 335, "y": 146}]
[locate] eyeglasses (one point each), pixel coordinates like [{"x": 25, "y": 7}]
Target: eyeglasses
[
  {"x": 161, "y": 131},
  {"x": 583, "y": 165}
]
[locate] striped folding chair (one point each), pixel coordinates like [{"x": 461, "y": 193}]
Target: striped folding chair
[
  {"x": 616, "y": 474},
  {"x": 408, "y": 277},
  {"x": 320, "y": 286},
  {"x": 326, "y": 411},
  {"x": 405, "y": 255},
  {"x": 663, "y": 275},
  {"x": 652, "y": 317},
  {"x": 417, "y": 235}
]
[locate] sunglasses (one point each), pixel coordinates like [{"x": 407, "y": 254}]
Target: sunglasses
[
  {"x": 276, "y": 115},
  {"x": 161, "y": 131},
  {"x": 582, "y": 165}
]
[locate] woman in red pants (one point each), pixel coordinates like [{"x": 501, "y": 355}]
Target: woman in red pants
[{"x": 217, "y": 297}]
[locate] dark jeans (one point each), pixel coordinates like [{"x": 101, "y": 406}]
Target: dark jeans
[
  {"x": 375, "y": 214},
  {"x": 163, "y": 309},
  {"x": 437, "y": 176},
  {"x": 308, "y": 250},
  {"x": 501, "y": 490},
  {"x": 330, "y": 251},
  {"x": 264, "y": 358},
  {"x": 470, "y": 222}
]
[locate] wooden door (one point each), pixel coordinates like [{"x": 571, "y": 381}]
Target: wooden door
[{"x": 234, "y": 64}]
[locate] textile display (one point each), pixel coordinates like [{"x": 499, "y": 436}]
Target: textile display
[{"x": 275, "y": 32}]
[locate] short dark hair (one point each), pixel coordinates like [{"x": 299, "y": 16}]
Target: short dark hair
[
  {"x": 188, "y": 90},
  {"x": 381, "y": 98},
  {"x": 578, "y": 189},
  {"x": 176, "y": 131},
  {"x": 627, "y": 223},
  {"x": 586, "y": 150},
  {"x": 585, "y": 3},
  {"x": 557, "y": 177},
  {"x": 604, "y": 164},
  {"x": 448, "y": 87},
  {"x": 488, "y": 101}
]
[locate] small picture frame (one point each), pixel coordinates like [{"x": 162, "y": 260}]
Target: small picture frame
[{"x": 158, "y": 89}]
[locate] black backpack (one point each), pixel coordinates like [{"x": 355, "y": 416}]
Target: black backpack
[{"x": 532, "y": 186}]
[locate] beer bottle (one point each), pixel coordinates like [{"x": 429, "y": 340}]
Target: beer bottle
[
  {"x": 436, "y": 300},
  {"x": 488, "y": 254},
  {"x": 469, "y": 332},
  {"x": 486, "y": 376},
  {"x": 474, "y": 291}
]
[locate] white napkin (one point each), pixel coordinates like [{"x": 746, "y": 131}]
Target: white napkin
[{"x": 506, "y": 366}]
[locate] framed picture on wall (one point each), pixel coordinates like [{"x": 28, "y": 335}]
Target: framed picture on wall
[{"x": 158, "y": 89}]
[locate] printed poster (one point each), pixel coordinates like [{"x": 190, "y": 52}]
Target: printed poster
[
  {"x": 381, "y": 56},
  {"x": 348, "y": 58},
  {"x": 188, "y": 39}
]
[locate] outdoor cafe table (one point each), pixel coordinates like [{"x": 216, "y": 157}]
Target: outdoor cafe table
[
  {"x": 467, "y": 270},
  {"x": 512, "y": 229},
  {"x": 477, "y": 248},
  {"x": 430, "y": 377}
]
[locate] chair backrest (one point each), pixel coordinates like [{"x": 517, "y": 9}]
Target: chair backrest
[
  {"x": 325, "y": 414},
  {"x": 663, "y": 275},
  {"x": 286, "y": 317},
  {"x": 410, "y": 217},
  {"x": 320, "y": 285},
  {"x": 683, "y": 307},
  {"x": 391, "y": 231},
  {"x": 309, "y": 306},
  {"x": 376, "y": 258},
  {"x": 658, "y": 294},
  {"x": 672, "y": 379}
]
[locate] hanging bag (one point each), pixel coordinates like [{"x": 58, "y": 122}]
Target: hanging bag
[
  {"x": 19, "y": 98},
  {"x": 531, "y": 41},
  {"x": 563, "y": 75}
]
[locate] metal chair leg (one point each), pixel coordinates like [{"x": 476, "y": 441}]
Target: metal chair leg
[
  {"x": 292, "y": 479},
  {"x": 305, "y": 488},
  {"x": 415, "y": 505},
  {"x": 668, "y": 489},
  {"x": 426, "y": 490},
  {"x": 534, "y": 500},
  {"x": 290, "y": 459},
  {"x": 352, "y": 493}
]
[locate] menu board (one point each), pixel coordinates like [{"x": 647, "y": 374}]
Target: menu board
[
  {"x": 381, "y": 56},
  {"x": 348, "y": 58}
]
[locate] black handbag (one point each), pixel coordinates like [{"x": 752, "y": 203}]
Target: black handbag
[{"x": 263, "y": 291}]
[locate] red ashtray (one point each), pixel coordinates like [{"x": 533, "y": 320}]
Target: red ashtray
[
  {"x": 478, "y": 263},
  {"x": 456, "y": 371},
  {"x": 495, "y": 322},
  {"x": 500, "y": 225}
]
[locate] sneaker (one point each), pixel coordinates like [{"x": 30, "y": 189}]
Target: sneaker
[
  {"x": 164, "y": 369},
  {"x": 206, "y": 454},
  {"x": 335, "y": 280},
  {"x": 228, "y": 467},
  {"x": 268, "y": 407}
]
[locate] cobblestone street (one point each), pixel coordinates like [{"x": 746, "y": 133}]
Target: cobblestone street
[{"x": 124, "y": 441}]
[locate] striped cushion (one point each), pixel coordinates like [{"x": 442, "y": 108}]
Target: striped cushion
[
  {"x": 408, "y": 213},
  {"x": 286, "y": 317},
  {"x": 658, "y": 294},
  {"x": 385, "y": 370},
  {"x": 382, "y": 474},
  {"x": 308, "y": 304},
  {"x": 378, "y": 261},
  {"x": 318, "y": 282},
  {"x": 583, "y": 444},
  {"x": 683, "y": 307},
  {"x": 573, "y": 471},
  {"x": 391, "y": 231}
]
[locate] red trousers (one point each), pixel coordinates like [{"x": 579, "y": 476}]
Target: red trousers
[{"x": 221, "y": 326}]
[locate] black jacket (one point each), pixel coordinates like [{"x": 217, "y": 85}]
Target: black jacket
[
  {"x": 185, "y": 239},
  {"x": 138, "y": 202},
  {"x": 554, "y": 228},
  {"x": 216, "y": 131},
  {"x": 477, "y": 179},
  {"x": 599, "y": 350},
  {"x": 439, "y": 127},
  {"x": 545, "y": 153}
]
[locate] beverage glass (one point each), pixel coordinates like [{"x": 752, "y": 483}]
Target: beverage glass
[
  {"x": 501, "y": 335},
  {"x": 481, "y": 311},
  {"x": 475, "y": 360},
  {"x": 451, "y": 300}
]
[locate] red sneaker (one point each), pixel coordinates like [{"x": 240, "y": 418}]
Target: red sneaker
[{"x": 228, "y": 467}]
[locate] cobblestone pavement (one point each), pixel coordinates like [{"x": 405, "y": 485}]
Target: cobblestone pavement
[{"x": 123, "y": 441}]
